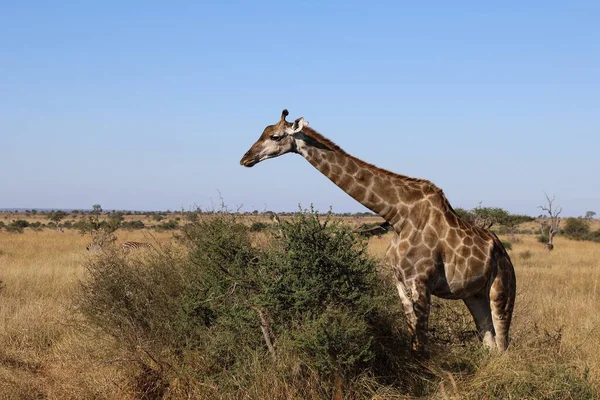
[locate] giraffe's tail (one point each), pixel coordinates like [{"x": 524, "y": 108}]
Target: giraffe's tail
[{"x": 502, "y": 294}]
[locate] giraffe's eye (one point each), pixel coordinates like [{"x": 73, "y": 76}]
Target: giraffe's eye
[{"x": 276, "y": 137}]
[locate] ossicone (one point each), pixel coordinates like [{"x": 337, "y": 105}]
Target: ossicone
[{"x": 284, "y": 114}]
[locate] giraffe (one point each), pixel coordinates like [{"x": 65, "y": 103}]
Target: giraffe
[{"x": 433, "y": 251}]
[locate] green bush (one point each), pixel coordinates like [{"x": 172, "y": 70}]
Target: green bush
[
  {"x": 190, "y": 309},
  {"x": 36, "y": 226},
  {"x": 83, "y": 226},
  {"x": 507, "y": 245},
  {"x": 576, "y": 228},
  {"x": 316, "y": 288},
  {"x": 579, "y": 229},
  {"x": 16, "y": 226},
  {"x": 13, "y": 229},
  {"x": 137, "y": 224},
  {"x": 19, "y": 223},
  {"x": 167, "y": 226},
  {"x": 594, "y": 236},
  {"x": 324, "y": 294},
  {"x": 258, "y": 226},
  {"x": 334, "y": 341},
  {"x": 543, "y": 238}
]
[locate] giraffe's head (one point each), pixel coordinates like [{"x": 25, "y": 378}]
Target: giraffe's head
[{"x": 275, "y": 140}]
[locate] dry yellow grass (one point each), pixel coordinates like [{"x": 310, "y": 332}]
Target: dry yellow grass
[
  {"x": 46, "y": 351},
  {"x": 43, "y": 349}
]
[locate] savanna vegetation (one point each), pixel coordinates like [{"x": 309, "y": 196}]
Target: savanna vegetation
[{"x": 232, "y": 306}]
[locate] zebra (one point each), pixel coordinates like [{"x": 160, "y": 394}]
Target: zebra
[
  {"x": 128, "y": 246},
  {"x": 93, "y": 247}
]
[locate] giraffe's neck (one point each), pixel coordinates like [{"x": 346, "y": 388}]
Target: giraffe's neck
[{"x": 387, "y": 194}]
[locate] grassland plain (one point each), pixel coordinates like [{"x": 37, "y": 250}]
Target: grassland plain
[{"x": 46, "y": 352}]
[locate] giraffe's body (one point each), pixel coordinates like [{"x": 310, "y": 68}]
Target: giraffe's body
[{"x": 433, "y": 250}]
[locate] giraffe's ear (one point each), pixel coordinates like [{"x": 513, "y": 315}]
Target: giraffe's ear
[{"x": 298, "y": 125}]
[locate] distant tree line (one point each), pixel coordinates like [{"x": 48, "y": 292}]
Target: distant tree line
[
  {"x": 488, "y": 217},
  {"x": 99, "y": 220},
  {"x": 87, "y": 221}
]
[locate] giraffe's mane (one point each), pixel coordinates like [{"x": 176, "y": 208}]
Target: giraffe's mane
[{"x": 334, "y": 147}]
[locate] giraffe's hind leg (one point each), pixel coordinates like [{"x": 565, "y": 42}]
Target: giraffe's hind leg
[
  {"x": 502, "y": 301},
  {"x": 479, "y": 306}
]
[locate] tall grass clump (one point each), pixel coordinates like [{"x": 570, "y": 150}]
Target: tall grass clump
[
  {"x": 225, "y": 314},
  {"x": 537, "y": 365}
]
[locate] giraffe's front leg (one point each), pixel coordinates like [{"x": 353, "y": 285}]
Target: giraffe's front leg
[
  {"x": 407, "y": 304},
  {"x": 416, "y": 300}
]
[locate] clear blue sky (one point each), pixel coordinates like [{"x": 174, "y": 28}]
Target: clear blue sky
[{"x": 150, "y": 105}]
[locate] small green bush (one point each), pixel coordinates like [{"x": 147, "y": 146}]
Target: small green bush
[
  {"x": 335, "y": 341},
  {"x": 137, "y": 224},
  {"x": 19, "y": 223},
  {"x": 17, "y": 226},
  {"x": 594, "y": 236},
  {"x": 258, "y": 227},
  {"x": 167, "y": 226},
  {"x": 579, "y": 229},
  {"x": 576, "y": 228},
  {"x": 324, "y": 294},
  {"x": 36, "y": 226},
  {"x": 507, "y": 245},
  {"x": 83, "y": 226}
]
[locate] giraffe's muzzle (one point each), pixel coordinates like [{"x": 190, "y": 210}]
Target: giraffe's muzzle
[{"x": 248, "y": 160}]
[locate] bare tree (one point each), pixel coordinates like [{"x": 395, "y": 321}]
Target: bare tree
[
  {"x": 554, "y": 219},
  {"x": 543, "y": 224}
]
